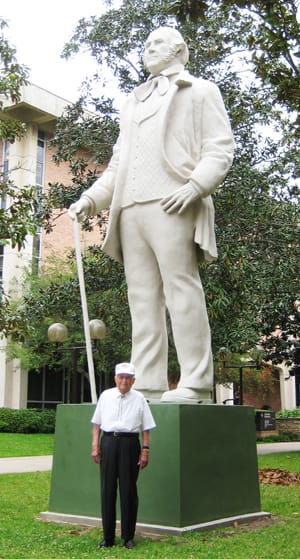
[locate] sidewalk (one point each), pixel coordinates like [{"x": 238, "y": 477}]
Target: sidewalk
[
  {"x": 25, "y": 464},
  {"x": 270, "y": 448}
]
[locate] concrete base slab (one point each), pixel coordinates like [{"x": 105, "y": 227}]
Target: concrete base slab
[{"x": 155, "y": 529}]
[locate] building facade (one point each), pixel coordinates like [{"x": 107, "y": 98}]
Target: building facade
[{"x": 29, "y": 162}]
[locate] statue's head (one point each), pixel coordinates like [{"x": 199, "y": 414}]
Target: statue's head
[{"x": 164, "y": 47}]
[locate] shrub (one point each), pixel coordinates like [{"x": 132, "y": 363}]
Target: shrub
[
  {"x": 280, "y": 438},
  {"x": 283, "y": 414},
  {"x": 27, "y": 420},
  {"x": 47, "y": 421}
]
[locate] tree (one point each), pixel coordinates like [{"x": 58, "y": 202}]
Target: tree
[
  {"x": 54, "y": 296},
  {"x": 253, "y": 285},
  {"x": 18, "y": 211},
  {"x": 272, "y": 39},
  {"x": 283, "y": 345},
  {"x": 19, "y": 205},
  {"x": 18, "y": 214},
  {"x": 12, "y": 77},
  {"x": 78, "y": 129}
]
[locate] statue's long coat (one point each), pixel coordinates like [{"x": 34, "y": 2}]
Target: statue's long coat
[{"x": 196, "y": 144}]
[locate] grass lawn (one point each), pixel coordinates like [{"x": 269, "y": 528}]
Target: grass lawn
[
  {"x": 24, "y": 536},
  {"x": 289, "y": 461},
  {"x": 18, "y": 444}
]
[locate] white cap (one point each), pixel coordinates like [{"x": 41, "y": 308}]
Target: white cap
[{"x": 125, "y": 369}]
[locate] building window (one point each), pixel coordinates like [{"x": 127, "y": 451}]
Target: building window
[
  {"x": 5, "y": 159},
  {"x": 40, "y": 158},
  {"x": 1, "y": 270},
  {"x": 39, "y": 179},
  {"x": 4, "y": 173},
  {"x": 47, "y": 388}
]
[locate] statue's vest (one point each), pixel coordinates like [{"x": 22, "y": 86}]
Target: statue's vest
[{"x": 147, "y": 176}]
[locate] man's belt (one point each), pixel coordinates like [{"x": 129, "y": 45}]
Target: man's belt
[{"x": 119, "y": 434}]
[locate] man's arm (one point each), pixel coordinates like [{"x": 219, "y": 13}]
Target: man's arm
[
  {"x": 144, "y": 456},
  {"x": 216, "y": 153},
  {"x": 96, "y": 454},
  {"x": 180, "y": 199},
  {"x": 98, "y": 197}
]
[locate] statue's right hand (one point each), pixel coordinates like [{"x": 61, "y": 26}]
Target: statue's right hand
[{"x": 79, "y": 209}]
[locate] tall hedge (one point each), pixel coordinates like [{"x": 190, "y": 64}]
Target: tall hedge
[{"x": 27, "y": 420}]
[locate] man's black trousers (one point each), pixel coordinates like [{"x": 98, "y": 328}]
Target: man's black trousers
[{"x": 119, "y": 463}]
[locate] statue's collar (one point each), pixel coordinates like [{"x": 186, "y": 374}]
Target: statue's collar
[
  {"x": 170, "y": 71},
  {"x": 176, "y": 74},
  {"x": 184, "y": 79}
]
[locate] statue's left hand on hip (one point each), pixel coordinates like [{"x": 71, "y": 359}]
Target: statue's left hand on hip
[{"x": 180, "y": 199}]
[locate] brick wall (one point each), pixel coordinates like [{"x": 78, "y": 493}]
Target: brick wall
[
  {"x": 289, "y": 425},
  {"x": 60, "y": 241},
  {"x": 272, "y": 400}
]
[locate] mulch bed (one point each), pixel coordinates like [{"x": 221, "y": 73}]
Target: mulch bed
[{"x": 273, "y": 476}]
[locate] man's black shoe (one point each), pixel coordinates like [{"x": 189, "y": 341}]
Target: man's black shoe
[
  {"x": 106, "y": 543},
  {"x": 129, "y": 544}
]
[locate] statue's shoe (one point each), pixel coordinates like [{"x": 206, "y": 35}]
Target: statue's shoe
[
  {"x": 151, "y": 395},
  {"x": 187, "y": 396}
]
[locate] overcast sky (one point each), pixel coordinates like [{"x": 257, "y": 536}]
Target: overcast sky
[{"x": 39, "y": 31}]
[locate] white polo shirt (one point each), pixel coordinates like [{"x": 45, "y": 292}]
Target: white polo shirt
[{"x": 128, "y": 412}]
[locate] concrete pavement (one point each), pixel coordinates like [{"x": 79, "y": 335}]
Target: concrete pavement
[
  {"x": 25, "y": 464},
  {"x": 270, "y": 448}
]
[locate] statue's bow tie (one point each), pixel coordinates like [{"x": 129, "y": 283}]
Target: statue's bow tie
[{"x": 142, "y": 92}]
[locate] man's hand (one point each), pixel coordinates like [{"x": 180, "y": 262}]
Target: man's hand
[
  {"x": 79, "y": 209},
  {"x": 96, "y": 454},
  {"x": 180, "y": 199},
  {"x": 144, "y": 458}
]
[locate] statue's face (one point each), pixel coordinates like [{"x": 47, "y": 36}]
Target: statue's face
[{"x": 159, "y": 52}]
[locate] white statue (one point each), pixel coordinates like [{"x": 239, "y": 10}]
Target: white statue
[{"x": 175, "y": 147}]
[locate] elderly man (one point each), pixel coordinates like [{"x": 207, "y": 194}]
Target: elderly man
[
  {"x": 121, "y": 415},
  {"x": 175, "y": 147}
]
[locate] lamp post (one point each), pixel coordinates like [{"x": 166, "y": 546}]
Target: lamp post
[{"x": 58, "y": 333}]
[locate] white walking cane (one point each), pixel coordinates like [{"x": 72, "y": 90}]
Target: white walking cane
[{"x": 84, "y": 310}]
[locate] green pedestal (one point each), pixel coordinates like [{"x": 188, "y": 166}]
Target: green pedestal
[{"x": 203, "y": 465}]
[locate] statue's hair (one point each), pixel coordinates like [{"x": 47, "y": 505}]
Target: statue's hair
[{"x": 179, "y": 46}]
